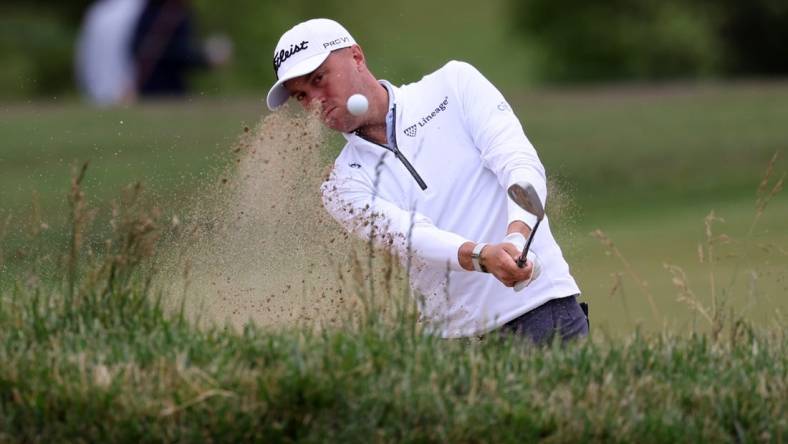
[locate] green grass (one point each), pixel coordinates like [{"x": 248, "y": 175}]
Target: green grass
[
  {"x": 644, "y": 164},
  {"x": 169, "y": 146},
  {"x": 111, "y": 365},
  {"x": 614, "y": 147},
  {"x": 105, "y": 354},
  {"x": 159, "y": 379}
]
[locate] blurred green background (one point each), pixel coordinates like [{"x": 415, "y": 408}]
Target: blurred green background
[
  {"x": 516, "y": 41},
  {"x": 647, "y": 114}
]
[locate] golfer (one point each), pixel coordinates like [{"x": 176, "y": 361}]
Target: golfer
[{"x": 425, "y": 171}]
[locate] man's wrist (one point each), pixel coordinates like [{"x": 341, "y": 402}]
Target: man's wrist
[
  {"x": 464, "y": 255},
  {"x": 476, "y": 257}
]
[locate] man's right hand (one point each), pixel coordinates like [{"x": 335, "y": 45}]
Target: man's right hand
[{"x": 501, "y": 261}]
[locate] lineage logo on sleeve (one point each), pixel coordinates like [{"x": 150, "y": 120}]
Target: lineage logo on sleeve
[{"x": 411, "y": 130}]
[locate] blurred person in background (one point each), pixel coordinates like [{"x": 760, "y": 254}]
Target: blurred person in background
[
  {"x": 165, "y": 48},
  {"x": 105, "y": 69}
]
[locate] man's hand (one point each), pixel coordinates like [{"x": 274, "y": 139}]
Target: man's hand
[{"x": 501, "y": 261}]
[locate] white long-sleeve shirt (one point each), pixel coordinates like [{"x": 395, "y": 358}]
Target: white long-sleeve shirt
[{"x": 463, "y": 140}]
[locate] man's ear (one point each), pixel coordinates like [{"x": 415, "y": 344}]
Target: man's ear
[{"x": 358, "y": 57}]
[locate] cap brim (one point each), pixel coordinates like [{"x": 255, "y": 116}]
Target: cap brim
[{"x": 278, "y": 93}]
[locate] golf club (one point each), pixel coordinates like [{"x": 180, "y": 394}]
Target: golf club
[{"x": 524, "y": 195}]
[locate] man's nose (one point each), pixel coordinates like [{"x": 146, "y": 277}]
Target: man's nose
[{"x": 318, "y": 101}]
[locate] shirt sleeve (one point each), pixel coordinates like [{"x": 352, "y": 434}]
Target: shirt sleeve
[
  {"x": 496, "y": 131},
  {"x": 352, "y": 201}
]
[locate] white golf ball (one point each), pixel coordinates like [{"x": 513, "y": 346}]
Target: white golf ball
[{"x": 357, "y": 104}]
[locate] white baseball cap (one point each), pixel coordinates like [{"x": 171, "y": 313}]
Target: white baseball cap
[{"x": 302, "y": 50}]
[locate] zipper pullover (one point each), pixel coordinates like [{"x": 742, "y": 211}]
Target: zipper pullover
[
  {"x": 458, "y": 131},
  {"x": 397, "y": 153}
]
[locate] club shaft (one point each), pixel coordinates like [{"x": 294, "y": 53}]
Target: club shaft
[{"x": 521, "y": 260}]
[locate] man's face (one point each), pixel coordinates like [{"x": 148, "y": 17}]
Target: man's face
[{"x": 325, "y": 90}]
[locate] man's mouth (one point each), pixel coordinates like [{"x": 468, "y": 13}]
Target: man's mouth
[{"x": 328, "y": 111}]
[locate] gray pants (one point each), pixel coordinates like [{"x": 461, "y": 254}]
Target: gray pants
[{"x": 562, "y": 317}]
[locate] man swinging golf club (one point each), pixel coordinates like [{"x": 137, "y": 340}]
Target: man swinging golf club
[{"x": 426, "y": 170}]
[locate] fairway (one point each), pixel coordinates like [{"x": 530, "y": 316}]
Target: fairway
[{"x": 644, "y": 165}]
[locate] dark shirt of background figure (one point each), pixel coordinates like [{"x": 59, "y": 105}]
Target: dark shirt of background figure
[{"x": 165, "y": 48}]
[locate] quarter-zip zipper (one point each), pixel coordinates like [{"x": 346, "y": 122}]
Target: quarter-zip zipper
[{"x": 397, "y": 153}]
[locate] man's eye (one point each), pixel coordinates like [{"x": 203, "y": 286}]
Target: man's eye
[
  {"x": 317, "y": 79},
  {"x": 300, "y": 97}
]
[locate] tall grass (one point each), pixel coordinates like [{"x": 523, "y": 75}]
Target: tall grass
[
  {"x": 97, "y": 357},
  {"x": 717, "y": 293}
]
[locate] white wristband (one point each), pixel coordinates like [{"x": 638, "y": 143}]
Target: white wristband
[
  {"x": 532, "y": 257},
  {"x": 476, "y": 256},
  {"x": 516, "y": 239}
]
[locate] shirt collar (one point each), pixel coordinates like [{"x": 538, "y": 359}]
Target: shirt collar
[{"x": 390, "y": 114}]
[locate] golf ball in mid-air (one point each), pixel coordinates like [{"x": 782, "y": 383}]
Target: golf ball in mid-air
[{"x": 357, "y": 104}]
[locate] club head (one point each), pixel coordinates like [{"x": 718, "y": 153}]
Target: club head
[{"x": 524, "y": 195}]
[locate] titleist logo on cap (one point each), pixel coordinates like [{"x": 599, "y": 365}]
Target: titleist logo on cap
[{"x": 285, "y": 54}]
